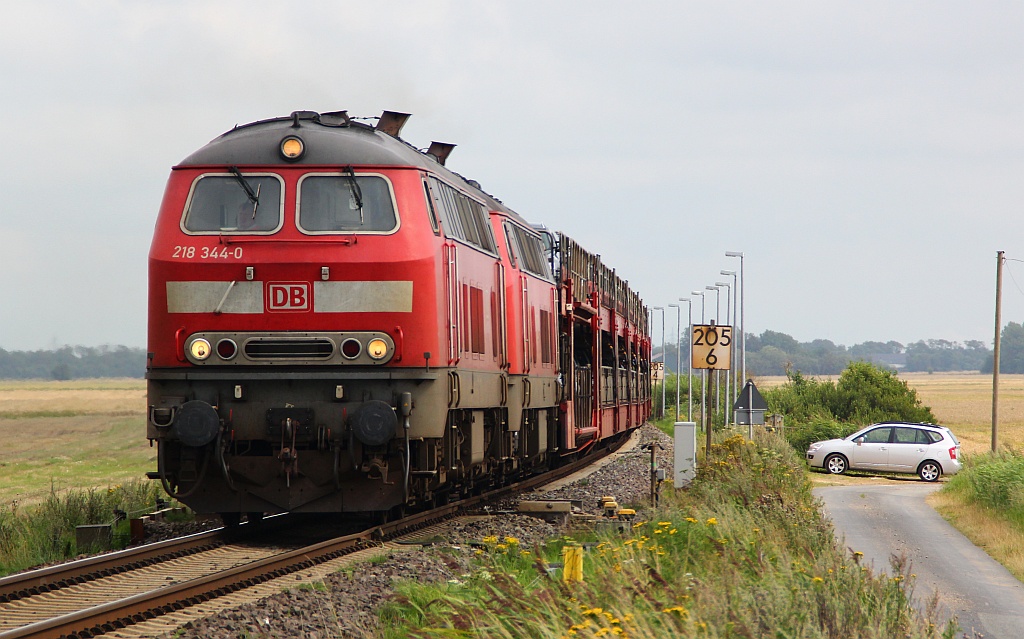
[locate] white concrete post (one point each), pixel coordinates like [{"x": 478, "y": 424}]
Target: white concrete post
[{"x": 685, "y": 453}]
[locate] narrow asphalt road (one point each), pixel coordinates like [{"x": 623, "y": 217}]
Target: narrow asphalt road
[{"x": 883, "y": 520}]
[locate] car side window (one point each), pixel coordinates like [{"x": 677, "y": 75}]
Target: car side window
[
  {"x": 930, "y": 437},
  {"x": 905, "y": 435},
  {"x": 877, "y": 436}
]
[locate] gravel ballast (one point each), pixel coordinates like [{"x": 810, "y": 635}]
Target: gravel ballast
[{"x": 345, "y": 604}]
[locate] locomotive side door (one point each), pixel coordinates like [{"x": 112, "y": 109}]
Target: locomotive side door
[
  {"x": 512, "y": 335},
  {"x": 454, "y": 309}
]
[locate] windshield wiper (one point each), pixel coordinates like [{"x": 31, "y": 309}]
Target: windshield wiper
[
  {"x": 357, "y": 193},
  {"x": 254, "y": 196}
]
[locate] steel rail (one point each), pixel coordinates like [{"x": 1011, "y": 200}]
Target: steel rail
[{"x": 40, "y": 580}]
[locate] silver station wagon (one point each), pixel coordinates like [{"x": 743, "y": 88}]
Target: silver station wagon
[{"x": 927, "y": 450}]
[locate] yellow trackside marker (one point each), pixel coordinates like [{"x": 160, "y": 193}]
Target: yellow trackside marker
[{"x": 572, "y": 560}]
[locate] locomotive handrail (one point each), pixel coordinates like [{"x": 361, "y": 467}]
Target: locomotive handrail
[{"x": 336, "y": 239}]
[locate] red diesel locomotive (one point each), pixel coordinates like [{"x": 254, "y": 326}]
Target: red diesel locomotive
[{"x": 339, "y": 323}]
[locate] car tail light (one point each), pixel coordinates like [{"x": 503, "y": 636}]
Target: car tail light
[{"x": 952, "y": 453}]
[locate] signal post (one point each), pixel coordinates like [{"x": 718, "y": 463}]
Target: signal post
[{"x": 711, "y": 348}]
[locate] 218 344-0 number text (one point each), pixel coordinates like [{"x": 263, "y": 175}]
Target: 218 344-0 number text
[{"x": 207, "y": 252}]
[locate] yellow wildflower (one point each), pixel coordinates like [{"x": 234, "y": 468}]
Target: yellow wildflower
[{"x": 679, "y": 610}]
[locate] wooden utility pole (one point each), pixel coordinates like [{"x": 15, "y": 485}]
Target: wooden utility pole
[{"x": 995, "y": 350}]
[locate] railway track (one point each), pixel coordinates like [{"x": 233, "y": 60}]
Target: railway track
[{"x": 109, "y": 594}]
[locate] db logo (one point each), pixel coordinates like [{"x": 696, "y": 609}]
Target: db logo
[{"x": 287, "y": 296}]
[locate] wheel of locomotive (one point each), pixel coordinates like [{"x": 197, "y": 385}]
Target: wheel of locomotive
[{"x": 231, "y": 520}]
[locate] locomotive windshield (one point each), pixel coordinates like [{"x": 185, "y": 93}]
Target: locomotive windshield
[
  {"x": 345, "y": 203},
  {"x": 221, "y": 203}
]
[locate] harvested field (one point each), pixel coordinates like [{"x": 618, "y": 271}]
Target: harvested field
[{"x": 76, "y": 434}]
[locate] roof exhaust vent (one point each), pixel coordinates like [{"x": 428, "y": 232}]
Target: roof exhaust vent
[
  {"x": 440, "y": 151},
  {"x": 335, "y": 118},
  {"x": 391, "y": 122}
]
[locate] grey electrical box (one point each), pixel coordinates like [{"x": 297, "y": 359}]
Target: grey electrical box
[{"x": 685, "y": 466}]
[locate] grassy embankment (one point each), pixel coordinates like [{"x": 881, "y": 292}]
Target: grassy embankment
[{"x": 744, "y": 552}]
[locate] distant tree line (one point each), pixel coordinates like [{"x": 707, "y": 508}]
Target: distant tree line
[
  {"x": 770, "y": 353},
  {"x": 1011, "y": 350},
  {"x": 73, "y": 362},
  {"x": 774, "y": 353}
]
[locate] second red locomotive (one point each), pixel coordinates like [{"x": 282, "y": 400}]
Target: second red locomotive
[{"x": 339, "y": 323}]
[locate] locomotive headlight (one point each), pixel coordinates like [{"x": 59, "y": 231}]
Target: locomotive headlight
[
  {"x": 199, "y": 349},
  {"x": 292, "y": 148},
  {"x": 377, "y": 348}
]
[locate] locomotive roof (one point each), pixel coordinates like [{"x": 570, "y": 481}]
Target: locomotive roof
[{"x": 330, "y": 139}]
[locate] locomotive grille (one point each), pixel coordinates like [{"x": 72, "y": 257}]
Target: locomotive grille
[{"x": 306, "y": 348}]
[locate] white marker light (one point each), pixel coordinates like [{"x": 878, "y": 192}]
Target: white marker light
[{"x": 200, "y": 349}]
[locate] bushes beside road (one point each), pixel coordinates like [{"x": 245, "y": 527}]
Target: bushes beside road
[
  {"x": 864, "y": 394},
  {"x": 996, "y": 481}
]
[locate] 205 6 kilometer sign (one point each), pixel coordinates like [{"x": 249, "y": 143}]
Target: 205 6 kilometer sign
[{"x": 711, "y": 346}]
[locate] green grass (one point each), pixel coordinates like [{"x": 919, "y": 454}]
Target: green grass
[
  {"x": 45, "y": 532},
  {"x": 72, "y": 452},
  {"x": 744, "y": 552}
]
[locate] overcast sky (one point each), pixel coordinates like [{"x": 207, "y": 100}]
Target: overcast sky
[{"x": 866, "y": 157}]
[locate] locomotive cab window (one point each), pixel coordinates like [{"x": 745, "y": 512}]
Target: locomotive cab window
[
  {"x": 233, "y": 203},
  {"x": 463, "y": 218},
  {"x": 345, "y": 203},
  {"x": 528, "y": 251}
]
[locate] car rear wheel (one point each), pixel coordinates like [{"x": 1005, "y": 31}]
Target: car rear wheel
[
  {"x": 929, "y": 471},
  {"x": 835, "y": 464}
]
